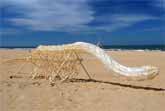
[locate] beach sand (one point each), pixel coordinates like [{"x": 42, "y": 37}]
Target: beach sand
[{"x": 107, "y": 92}]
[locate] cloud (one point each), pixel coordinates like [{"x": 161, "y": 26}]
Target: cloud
[
  {"x": 8, "y": 31},
  {"x": 119, "y": 21},
  {"x": 50, "y": 15},
  {"x": 68, "y": 16},
  {"x": 159, "y": 3},
  {"x": 131, "y": 18}
]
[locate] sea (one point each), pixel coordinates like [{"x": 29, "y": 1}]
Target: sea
[{"x": 108, "y": 47}]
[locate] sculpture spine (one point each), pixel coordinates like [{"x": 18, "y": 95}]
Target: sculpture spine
[{"x": 142, "y": 72}]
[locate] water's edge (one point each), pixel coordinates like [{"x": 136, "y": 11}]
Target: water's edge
[{"x": 108, "y": 47}]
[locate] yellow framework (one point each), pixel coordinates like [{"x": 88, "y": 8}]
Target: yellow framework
[{"x": 53, "y": 65}]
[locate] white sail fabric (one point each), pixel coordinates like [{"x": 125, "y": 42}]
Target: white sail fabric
[{"x": 142, "y": 72}]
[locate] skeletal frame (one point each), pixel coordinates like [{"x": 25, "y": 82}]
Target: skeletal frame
[
  {"x": 64, "y": 64},
  {"x": 44, "y": 57}
]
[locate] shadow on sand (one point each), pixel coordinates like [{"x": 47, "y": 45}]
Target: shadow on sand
[
  {"x": 79, "y": 80},
  {"x": 116, "y": 84}
]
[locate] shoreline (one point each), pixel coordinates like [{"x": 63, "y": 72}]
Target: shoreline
[{"x": 134, "y": 50}]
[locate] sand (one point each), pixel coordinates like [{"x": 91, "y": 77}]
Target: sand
[{"x": 107, "y": 92}]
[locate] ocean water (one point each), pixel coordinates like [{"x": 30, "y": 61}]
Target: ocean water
[
  {"x": 109, "y": 47},
  {"x": 136, "y": 47}
]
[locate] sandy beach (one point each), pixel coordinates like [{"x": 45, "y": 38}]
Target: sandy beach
[{"x": 107, "y": 91}]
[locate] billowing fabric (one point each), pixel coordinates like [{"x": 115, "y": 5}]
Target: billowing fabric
[{"x": 142, "y": 72}]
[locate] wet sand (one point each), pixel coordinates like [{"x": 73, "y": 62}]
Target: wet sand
[{"x": 106, "y": 92}]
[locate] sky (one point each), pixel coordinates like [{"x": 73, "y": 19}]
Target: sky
[{"x": 111, "y": 22}]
